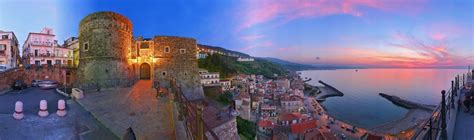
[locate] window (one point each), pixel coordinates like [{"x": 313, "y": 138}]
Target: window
[
  {"x": 86, "y": 46},
  {"x": 163, "y": 73},
  {"x": 4, "y": 36},
  {"x": 167, "y": 49},
  {"x": 182, "y": 51},
  {"x": 36, "y": 52},
  {"x": 144, "y": 45},
  {"x": 3, "y": 47},
  {"x": 37, "y": 63}
]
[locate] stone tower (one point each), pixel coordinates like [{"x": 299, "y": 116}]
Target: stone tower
[
  {"x": 176, "y": 59},
  {"x": 104, "y": 42}
]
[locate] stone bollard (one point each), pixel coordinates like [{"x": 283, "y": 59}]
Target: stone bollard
[
  {"x": 18, "y": 114},
  {"x": 43, "y": 112},
  {"x": 61, "y": 108}
]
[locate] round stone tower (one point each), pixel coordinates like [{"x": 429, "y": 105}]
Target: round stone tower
[{"x": 104, "y": 40}]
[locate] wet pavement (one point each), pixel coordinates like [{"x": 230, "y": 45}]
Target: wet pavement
[
  {"x": 31, "y": 98},
  {"x": 78, "y": 124}
]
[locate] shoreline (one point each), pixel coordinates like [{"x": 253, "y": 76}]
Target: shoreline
[{"x": 403, "y": 125}]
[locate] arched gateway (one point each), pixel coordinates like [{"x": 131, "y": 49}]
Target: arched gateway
[{"x": 145, "y": 71}]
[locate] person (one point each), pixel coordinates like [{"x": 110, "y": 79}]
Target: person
[{"x": 467, "y": 103}]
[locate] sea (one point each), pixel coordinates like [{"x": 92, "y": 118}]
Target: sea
[{"x": 362, "y": 105}]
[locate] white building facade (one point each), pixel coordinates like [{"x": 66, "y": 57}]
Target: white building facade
[
  {"x": 209, "y": 78},
  {"x": 9, "y": 53}
]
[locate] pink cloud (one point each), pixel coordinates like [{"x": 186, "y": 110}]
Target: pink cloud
[
  {"x": 426, "y": 54},
  {"x": 262, "y": 11}
]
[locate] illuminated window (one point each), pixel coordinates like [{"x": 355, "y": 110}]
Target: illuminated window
[{"x": 167, "y": 49}]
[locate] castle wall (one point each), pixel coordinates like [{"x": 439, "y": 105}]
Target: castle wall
[
  {"x": 179, "y": 63},
  {"x": 104, "y": 40}
]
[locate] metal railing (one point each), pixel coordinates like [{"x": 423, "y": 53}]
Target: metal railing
[
  {"x": 190, "y": 111},
  {"x": 433, "y": 127}
]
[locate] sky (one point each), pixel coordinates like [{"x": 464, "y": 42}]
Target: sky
[{"x": 368, "y": 33}]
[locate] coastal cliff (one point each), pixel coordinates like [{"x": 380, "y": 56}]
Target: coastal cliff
[{"x": 406, "y": 104}]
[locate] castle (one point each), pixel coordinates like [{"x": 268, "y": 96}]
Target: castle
[{"x": 110, "y": 57}]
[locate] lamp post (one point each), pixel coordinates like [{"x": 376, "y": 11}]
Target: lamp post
[{"x": 444, "y": 135}]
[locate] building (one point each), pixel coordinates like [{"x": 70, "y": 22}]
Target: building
[
  {"x": 210, "y": 78},
  {"x": 226, "y": 85},
  {"x": 43, "y": 48},
  {"x": 265, "y": 126},
  {"x": 9, "y": 52},
  {"x": 104, "y": 42},
  {"x": 292, "y": 103},
  {"x": 201, "y": 55},
  {"x": 110, "y": 57},
  {"x": 73, "y": 44},
  {"x": 241, "y": 59}
]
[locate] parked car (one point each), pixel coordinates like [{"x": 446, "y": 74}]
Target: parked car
[
  {"x": 19, "y": 85},
  {"x": 48, "y": 84},
  {"x": 3, "y": 68},
  {"x": 35, "y": 83}
]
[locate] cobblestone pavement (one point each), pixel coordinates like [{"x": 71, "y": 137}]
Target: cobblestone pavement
[
  {"x": 136, "y": 107},
  {"x": 78, "y": 124}
]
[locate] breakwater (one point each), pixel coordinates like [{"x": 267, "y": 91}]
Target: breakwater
[
  {"x": 335, "y": 93},
  {"x": 406, "y": 103}
]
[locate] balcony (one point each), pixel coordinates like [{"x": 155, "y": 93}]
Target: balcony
[
  {"x": 41, "y": 55},
  {"x": 40, "y": 43}
]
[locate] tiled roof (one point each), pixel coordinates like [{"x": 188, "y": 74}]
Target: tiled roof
[
  {"x": 290, "y": 116},
  {"x": 301, "y": 128},
  {"x": 265, "y": 123}
]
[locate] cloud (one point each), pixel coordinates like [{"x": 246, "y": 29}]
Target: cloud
[
  {"x": 253, "y": 46},
  {"x": 425, "y": 54},
  {"x": 251, "y": 37},
  {"x": 257, "y": 12}
]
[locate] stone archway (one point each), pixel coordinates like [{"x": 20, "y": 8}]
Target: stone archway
[{"x": 145, "y": 71}]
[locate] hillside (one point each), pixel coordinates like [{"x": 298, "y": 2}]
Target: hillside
[
  {"x": 228, "y": 66},
  {"x": 220, "y": 49},
  {"x": 289, "y": 65}
]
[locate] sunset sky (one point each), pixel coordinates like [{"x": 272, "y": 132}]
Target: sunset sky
[{"x": 373, "y": 33}]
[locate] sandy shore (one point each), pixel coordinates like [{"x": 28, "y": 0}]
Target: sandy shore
[{"x": 409, "y": 121}]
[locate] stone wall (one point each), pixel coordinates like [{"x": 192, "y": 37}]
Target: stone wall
[
  {"x": 104, "y": 40},
  {"x": 44, "y": 72},
  {"x": 179, "y": 63}
]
